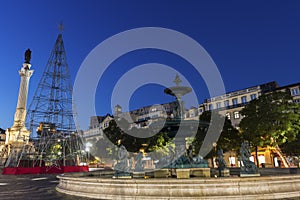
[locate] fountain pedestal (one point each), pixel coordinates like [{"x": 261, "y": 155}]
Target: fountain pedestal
[
  {"x": 200, "y": 172},
  {"x": 138, "y": 174},
  {"x": 162, "y": 173},
  {"x": 182, "y": 173}
]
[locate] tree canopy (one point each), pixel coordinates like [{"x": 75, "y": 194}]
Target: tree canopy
[
  {"x": 272, "y": 119},
  {"x": 291, "y": 148},
  {"x": 149, "y": 142},
  {"x": 229, "y": 139}
]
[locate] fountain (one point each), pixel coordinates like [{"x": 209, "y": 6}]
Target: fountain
[
  {"x": 193, "y": 175},
  {"x": 179, "y": 162},
  {"x": 178, "y": 91},
  {"x": 184, "y": 160}
]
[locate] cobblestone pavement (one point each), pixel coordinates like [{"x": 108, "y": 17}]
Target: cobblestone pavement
[{"x": 31, "y": 187}]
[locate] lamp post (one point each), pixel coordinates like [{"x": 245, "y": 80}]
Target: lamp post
[{"x": 215, "y": 149}]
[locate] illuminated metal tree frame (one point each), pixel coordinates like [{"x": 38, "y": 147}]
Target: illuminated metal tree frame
[{"x": 50, "y": 116}]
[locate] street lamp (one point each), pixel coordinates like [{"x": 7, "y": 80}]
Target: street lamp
[{"x": 215, "y": 153}]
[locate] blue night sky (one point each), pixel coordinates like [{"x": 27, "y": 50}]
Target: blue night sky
[{"x": 251, "y": 42}]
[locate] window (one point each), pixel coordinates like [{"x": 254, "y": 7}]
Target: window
[
  {"x": 235, "y": 101},
  {"x": 153, "y": 109},
  {"x": 297, "y": 100},
  {"x": 253, "y": 96},
  {"x": 105, "y": 124},
  {"x": 200, "y": 110},
  {"x": 261, "y": 159},
  {"x": 218, "y": 105},
  {"x": 226, "y": 103},
  {"x": 244, "y": 99},
  {"x": 211, "y": 107},
  {"x": 227, "y": 115},
  {"x": 236, "y": 115},
  {"x": 295, "y": 91},
  {"x": 232, "y": 161}
]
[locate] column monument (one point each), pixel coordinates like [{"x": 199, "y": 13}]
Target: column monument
[{"x": 17, "y": 135}]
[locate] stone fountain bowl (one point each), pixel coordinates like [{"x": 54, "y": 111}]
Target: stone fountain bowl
[
  {"x": 178, "y": 91},
  {"x": 101, "y": 185}
]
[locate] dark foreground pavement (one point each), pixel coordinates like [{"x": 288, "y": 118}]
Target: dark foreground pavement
[{"x": 31, "y": 187}]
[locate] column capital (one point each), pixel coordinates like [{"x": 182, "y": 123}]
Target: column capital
[
  {"x": 26, "y": 66},
  {"x": 25, "y": 72}
]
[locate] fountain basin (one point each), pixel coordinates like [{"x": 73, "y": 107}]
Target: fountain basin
[{"x": 269, "y": 187}]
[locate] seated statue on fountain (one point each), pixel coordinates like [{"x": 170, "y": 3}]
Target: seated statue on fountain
[
  {"x": 247, "y": 166},
  {"x": 139, "y": 166},
  {"x": 188, "y": 160},
  {"x": 185, "y": 160},
  {"x": 222, "y": 166},
  {"x": 198, "y": 161},
  {"x": 124, "y": 164},
  {"x": 220, "y": 160}
]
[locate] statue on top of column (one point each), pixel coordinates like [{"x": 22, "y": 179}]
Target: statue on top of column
[{"x": 27, "y": 56}]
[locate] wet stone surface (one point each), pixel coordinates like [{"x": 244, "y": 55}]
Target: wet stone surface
[{"x": 31, "y": 187}]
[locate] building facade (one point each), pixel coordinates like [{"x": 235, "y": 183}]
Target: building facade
[
  {"x": 97, "y": 125},
  {"x": 294, "y": 90},
  {"x": 231, "y": 103},
  {"x": 143, "y": 116}
]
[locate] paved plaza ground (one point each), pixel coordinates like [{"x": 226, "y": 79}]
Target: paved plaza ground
[{"x": 31, "y": 187}]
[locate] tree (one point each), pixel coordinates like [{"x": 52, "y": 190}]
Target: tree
[
  {"x": 230, "y": 138},
  {"x": 292, "y": 148},
  {"x": 104, "y": 149},
  {"x": 271, "y": 120},
  {"x": 201, "y": 133},
  {"x": 154, "y": 141}
]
